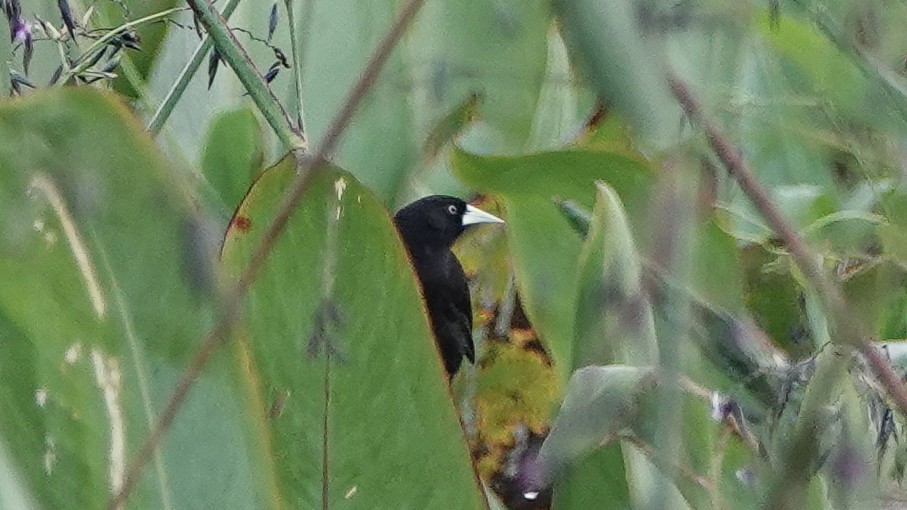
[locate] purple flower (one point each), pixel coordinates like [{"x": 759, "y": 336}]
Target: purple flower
[{"x": 21, "y": 31}]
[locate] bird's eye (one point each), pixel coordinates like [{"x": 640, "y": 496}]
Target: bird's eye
[{"x": 452, "y": 209}]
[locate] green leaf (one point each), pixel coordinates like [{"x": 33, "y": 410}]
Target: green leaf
[
  {"x": 108, "y": 275},
  {"x": 716, "y": 267},
  {"x": 581, "y": 485},
  {"x": 451, "y": 125},
  {"x": 233, "y": 155},
  {"x": 450, "y": 60},
  {"x": 626, "y": 67},
  {"x": 726, "y": 337},
  {"x": 801, "y": 204},
  {"x": 150, "y": 35},
  {"x": 13, "y": 493},
  {"x": 341, "y": 352},
  {"x": 824, "y": 70},
  {"x": 543, "y": 243},
  {"x": 614, "y": 322},
  {"x": 707, "y": 451},
  {"x": 600, "y": 402},
  {"x": 381, "y": 144},
  {"x": 851, "y": 465},
  {"x": 773, "y": 297}
]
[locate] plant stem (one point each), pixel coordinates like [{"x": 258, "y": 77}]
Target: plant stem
[
  {"x": 84, "y": 61},
  {"x": 230, "y": 310},
  {"x": 176, "y": 91},
  {"x": 296, "y": 52},
  {"x": 236, "y": 57},
  {"x": 849, "y": 333}
]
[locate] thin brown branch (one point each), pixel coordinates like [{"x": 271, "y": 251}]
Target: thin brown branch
[
  {"x": 886, "y": 374},
  {"x": 848, "y": 330},
  {"x": 734, "y": 162},
  {"x": 218, "y": 334}
]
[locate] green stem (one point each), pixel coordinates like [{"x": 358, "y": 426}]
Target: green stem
[
  {"x": 236, "y": 57},
  {"x": 296, "y": 55},
  {"x": 176, "y": 91},
  {"x": 5, "y": 47},
  {"x": 83, "y": 62}
]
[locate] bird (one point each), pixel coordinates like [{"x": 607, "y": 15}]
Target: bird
[{"x": 429, "y": 227}]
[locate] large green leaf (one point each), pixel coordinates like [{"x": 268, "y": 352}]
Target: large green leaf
[
  {"x": 233, "y": 155},
  {"x": 107, "y": 274},
  {"x": 614, "y": 321},
  {"x": 339, "y": 344},
  {"x": 600, "y": 402},
  {"x": 615, "y": 343},
  {"x": 450, "y": 59},
  {"x": 380, "y": 146},
  {"x": 543, "y": 244},
  {"x": 625, "y": 63},
  {"x": 727, "y": 337},
  {"x": 444, "y": 59}
]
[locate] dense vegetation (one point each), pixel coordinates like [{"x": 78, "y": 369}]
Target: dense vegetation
[{"x": 698, "y": 300}]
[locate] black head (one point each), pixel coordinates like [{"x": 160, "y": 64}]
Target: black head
[{"x": 438, "y": 220}]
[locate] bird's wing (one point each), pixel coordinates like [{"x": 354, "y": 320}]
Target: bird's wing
[{"x": 463, "y": 307}]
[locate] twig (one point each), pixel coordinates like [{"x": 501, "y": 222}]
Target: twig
[
  {"x": 733, "y": 161},
  {"x": 228, "y": 316},
  {"x": 176, "y": 91}
]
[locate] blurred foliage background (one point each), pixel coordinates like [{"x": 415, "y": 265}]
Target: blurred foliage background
[{"x": 646, "y": 336}]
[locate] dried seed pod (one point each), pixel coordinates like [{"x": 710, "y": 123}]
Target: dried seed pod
[
  {"x": 66, "y": 14},
  {"x": 272, "y": 72},
  {"x": 213, "y": 63},
  {"x": 272, "y": 21}
]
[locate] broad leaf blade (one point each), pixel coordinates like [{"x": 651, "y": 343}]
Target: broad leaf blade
[
  {"x": 544, "y": 245},
  {"x": 233, "y": 155},
  {"x": 344, "y": 358},
  {"x": 614, "y": 318},
  {"x": 600, "y": 402},
  {"x": 626, "y": 64},
  {"x": 108, "y": 287}
]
